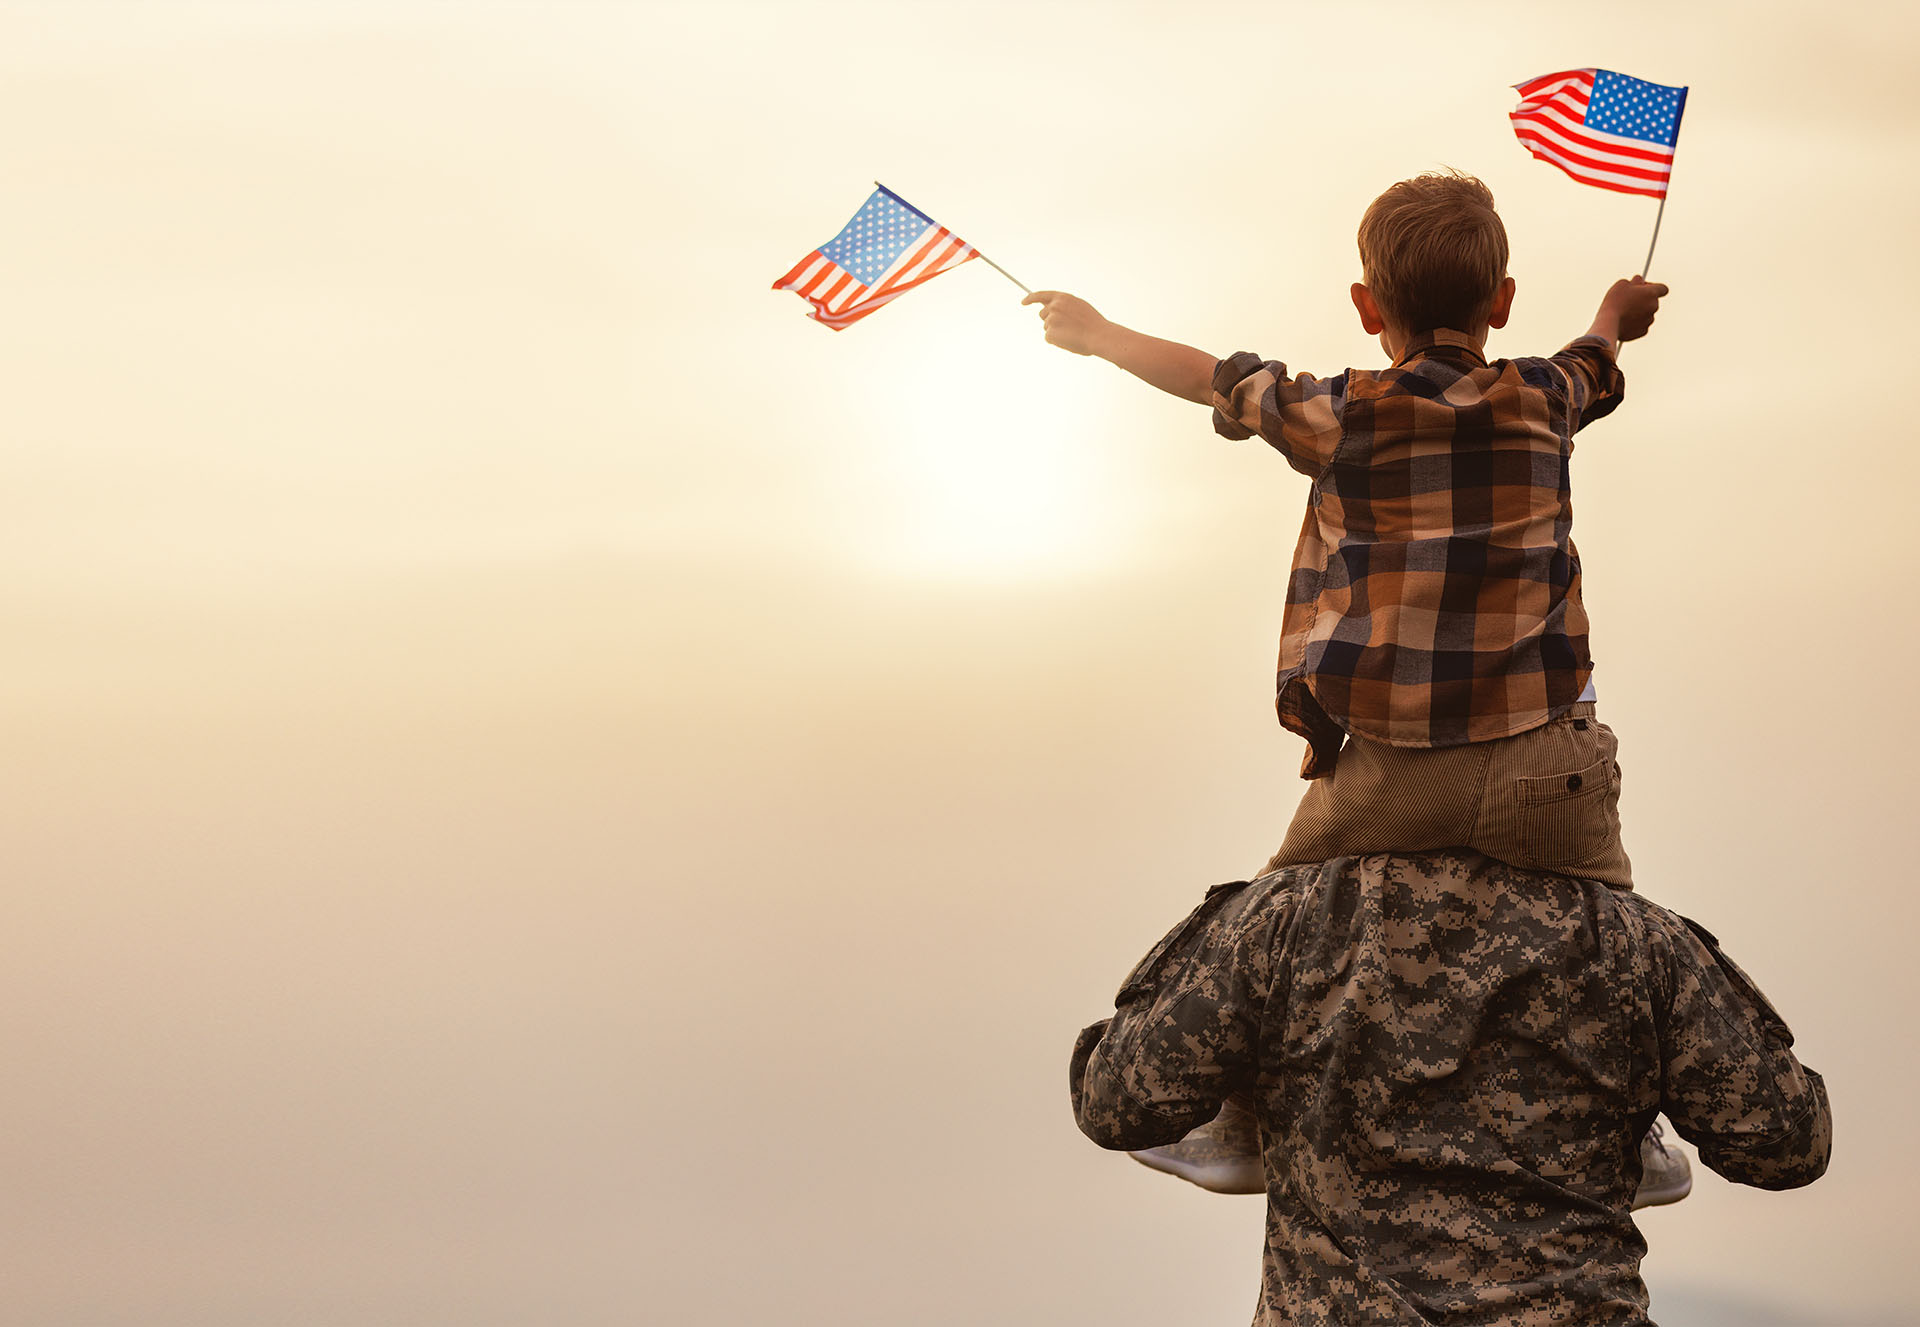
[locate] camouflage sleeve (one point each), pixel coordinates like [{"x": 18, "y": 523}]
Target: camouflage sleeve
[
  {"x": 1185, "y": 1025},
  {"x": 1732, "y": 1085}
]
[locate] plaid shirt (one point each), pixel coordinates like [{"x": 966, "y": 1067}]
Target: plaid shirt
[{"x": 1435, "y": 594}]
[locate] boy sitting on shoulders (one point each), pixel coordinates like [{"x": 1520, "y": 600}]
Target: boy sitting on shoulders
[{"x": 1434, "y": 650}]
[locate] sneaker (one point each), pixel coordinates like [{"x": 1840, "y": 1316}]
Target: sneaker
[
  {"x": 1666, "y": 1176},
  {"x": 1222, "y": 1156}
]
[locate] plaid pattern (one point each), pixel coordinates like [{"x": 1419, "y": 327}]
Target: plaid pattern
[{"x": 1435, "y": 592}]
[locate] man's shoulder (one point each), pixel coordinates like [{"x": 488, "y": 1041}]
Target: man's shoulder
[{"x": 1459, "y": 882}]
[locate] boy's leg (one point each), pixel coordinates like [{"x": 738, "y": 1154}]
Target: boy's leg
[
  {"x": 1546, "y": 799},
  {"x": 1666, "y": 1176},
  {"x": 1378, "y": 798},
  {"x": 1551, "y": 801},
  {"x": 1382, "y": 798},
  {"x": 1222, "y": 1156}
]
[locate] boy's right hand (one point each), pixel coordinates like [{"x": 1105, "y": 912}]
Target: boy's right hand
[
  {"x": 1626, "y": 312},
  {"x": 1071, "y": 323}
]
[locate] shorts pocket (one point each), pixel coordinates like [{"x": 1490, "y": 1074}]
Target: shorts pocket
[{"x": 1570, "y": 818}]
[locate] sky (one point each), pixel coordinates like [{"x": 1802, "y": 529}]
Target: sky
[{"x": 542, "y": 786}]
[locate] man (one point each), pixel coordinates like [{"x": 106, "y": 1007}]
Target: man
[{"x": 1452, "y": 1062}]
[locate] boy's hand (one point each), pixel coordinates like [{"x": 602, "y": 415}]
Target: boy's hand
[
  {"x": 1071, "y": 322},
  {"x": 1626, "y": 312}
]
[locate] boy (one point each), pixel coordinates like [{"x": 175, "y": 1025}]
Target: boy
[{"x": 1433, "y": 650}]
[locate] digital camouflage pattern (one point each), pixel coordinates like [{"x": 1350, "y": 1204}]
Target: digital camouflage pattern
[{"x": 1453, "y": 1062}]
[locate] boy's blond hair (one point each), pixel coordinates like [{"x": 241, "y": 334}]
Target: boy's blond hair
[{"x": 1433, "y": 252}]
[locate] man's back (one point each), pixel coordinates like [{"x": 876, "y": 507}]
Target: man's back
[{"x": 1453, "y": 1062}]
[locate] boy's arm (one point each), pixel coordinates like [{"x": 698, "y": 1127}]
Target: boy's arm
[
  {"x": 1593, "y": 380},
  {"x": 1073, "y": 324},
  {"x": 1299, "y": 418}
]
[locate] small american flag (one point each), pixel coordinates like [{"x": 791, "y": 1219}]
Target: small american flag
[
  {"x": 886, "y": 250},
  {"x": 1602, "y": 128}
]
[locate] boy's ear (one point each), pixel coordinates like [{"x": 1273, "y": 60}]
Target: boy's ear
[
  {"x": 1369, "y": 312},
  {"x": 1502, "y": 303}
]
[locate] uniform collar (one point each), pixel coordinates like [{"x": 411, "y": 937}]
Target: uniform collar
[{"x": 1442, "y": 342}]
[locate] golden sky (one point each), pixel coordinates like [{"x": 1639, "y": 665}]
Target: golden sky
[{"x": 543, "y": 786}]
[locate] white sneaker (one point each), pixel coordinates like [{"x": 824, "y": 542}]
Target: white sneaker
[
  {"x": 1222, "y": 1156},
  {"x": 1666, "y": 1176}
]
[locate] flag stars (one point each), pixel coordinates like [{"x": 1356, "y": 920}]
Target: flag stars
[
  {"x": 878, "y": 234},
  {"x": 1635, "y": 108},
  {"x": 886, "y": 249}
]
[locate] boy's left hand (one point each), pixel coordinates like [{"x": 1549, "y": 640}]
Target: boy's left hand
[
  {"x": 1073, "y": 324},
  {"x": 1628, "y": 308}
]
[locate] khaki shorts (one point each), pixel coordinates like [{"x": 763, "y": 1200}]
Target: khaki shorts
[{"x": 1547, "y": 799}]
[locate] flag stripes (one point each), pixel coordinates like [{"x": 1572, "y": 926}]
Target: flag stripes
[
  {"x": 1557, "y": 122},
  {"x": 920, "y": 250}
]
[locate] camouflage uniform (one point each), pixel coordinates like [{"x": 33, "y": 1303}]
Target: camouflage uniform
[{"x": 1453, "y": 1062}]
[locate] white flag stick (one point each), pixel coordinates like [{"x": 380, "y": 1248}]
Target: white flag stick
[{"x": 1656, "y": 233}]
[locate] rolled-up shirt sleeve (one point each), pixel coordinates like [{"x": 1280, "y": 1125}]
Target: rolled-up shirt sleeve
[
  {"x": 1731, "y": 1083},
  {"x": 1298, "y": 417},
  {"x": 1594, "y": 382},
  {"x": 1185, "y": 1029}
]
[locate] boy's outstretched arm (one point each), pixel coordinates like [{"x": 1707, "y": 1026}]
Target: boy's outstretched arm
[
  {"x": 1073, "y": 324},
  {"x": 1627, "y": 309}
]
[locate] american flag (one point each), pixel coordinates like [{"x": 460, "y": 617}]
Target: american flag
[
  {"x": 1602, "y": 128},
  {"x": 886, "y": 250}
]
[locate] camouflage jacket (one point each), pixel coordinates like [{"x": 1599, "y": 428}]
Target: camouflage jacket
[{"x": 1453, "y": 1062}]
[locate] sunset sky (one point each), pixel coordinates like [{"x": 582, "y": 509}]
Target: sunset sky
[{"x": 542, "y": 786}]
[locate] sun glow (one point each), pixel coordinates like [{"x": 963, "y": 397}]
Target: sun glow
[
  {"x": 1006, "y": 479},
  {"x": 992, "y": 503}
]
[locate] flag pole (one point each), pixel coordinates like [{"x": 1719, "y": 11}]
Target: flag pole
[
  {"x": 976, "y": 253},
  {"x": 1003, "y": 271},
  {"x": 1673, "y": 148},
  {"x": 1656, "y": 233}
]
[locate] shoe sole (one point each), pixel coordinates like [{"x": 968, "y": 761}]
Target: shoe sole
[
  {"x": 1662, "y": 1194},
  {"x": 1214, "y": 1179}
]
